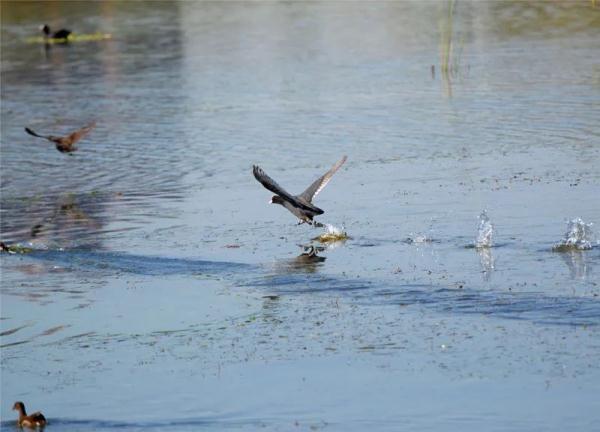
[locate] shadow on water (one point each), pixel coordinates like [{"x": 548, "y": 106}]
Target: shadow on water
[
  {"x": 76, "y": 260},
  {"x": 533, "y": 306}
]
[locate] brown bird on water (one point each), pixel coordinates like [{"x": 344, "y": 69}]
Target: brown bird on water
[
  {"x": 34, "y": 420},
  {"x": 301, "y": 205},
  {"x": 65, "y": 144}
]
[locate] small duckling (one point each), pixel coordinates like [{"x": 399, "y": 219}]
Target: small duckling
[
  {"x": 65, "y": 144},
  {"x": 34, "y": 420},
  {"x": 61, "y": 34}
]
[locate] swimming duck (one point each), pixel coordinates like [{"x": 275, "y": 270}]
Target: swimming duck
[
  {"x": 65, "y": 144},
  {"x": 301, "y": 205},
  {"x": 34, "y": 420},
  {"x": 61, "y": 34}
]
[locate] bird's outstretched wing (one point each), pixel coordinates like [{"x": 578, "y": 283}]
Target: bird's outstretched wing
[
  {"x": 80, "y": 133},
  {"x": 321, "y": 182},
  {"x": 272, "y": 185}
]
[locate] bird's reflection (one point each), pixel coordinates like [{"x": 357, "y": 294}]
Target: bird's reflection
[
  {"x": 579, "y": 268},
  {"x": 307, "y": 262},
  {"x": 68, "y": 220},
  {"x": 486, "y": 262},
  {"x": 65, "y": 221}
]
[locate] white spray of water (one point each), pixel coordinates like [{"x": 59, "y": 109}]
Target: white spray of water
[
  {"x": 578, "y": 236},
  {"x": 332, "y": 234},
  {"x": 335, "y": 231},
  {"x": 485, "y": 231}
]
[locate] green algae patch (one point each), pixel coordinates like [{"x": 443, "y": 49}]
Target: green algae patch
[
  {"x": 89, "y": 37},
  {"x": 332, "y": 234},
  {"x": 14, "y": 249}
]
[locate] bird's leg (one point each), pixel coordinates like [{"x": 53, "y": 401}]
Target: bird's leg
[
  {"x": 300, "y": 222},
  {"x": 317, "y": 224}
]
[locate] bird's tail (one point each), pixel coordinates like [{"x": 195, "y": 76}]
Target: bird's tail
[{"x": 30, "y": 132}]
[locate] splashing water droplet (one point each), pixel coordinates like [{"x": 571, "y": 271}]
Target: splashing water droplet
[
  {"x": 333, "y": 230},
  {"x": 578, "y": 236},
  {"x": 332, "y": 234},
  {"x": 484, "y": 232}
]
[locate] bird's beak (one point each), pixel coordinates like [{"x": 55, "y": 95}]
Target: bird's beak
[
  {"x": 271, "y": 201},
  {"x": 41, "y": 27}
]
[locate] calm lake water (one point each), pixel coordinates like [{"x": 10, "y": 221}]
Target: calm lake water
[{"x": 164, "y": 293}]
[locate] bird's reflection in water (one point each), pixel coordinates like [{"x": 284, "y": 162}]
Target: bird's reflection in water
[
  {"x": 56, "y": 221},
  {"x": 68, "y": 221},
  {"x": 307, "y": 262},
  {"x": 486, "y": 262},
  {"x": 576, "y": 261},
  {"x": 331, "y": 245}
]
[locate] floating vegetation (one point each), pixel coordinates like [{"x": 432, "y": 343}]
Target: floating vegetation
[
  {"x": 449, "y": 56},
  {"x": 90, "y": 37},
  {"x": 485, "y": 232},
  {"x": 578, "y": 237},
  {"x": 14, "y": 249},
  {"x": 332, "y": 234},
  {"x": 446, "y": 46}
]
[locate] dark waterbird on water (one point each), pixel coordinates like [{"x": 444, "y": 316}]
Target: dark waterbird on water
[
  {"x": 33, "y": 421},
  {"x": 60, "y": 34},
  {"x": 65, "y": 144},
  {"x": 301, "y": 205}
]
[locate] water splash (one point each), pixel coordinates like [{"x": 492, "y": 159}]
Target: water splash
[
  {"x": 332, "y": 234},
  {"x": 485, "y": 231},
  {"x": 578, "y": 236}
]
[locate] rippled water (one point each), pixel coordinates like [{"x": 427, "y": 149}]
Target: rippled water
[{"x": 164, "y": 293}]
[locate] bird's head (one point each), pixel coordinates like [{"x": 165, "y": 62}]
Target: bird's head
[
  {"x": 19, "y": 406},
  {"x": 276, "y": 199},
  {"x": 45, "y": 28}
]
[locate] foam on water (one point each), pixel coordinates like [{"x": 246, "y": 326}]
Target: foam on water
[
  {"x": 485, "y": 231},
  {"x": 578, "y": 236}
]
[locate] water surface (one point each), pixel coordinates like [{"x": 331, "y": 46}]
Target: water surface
[{"x": 164, "y": 293}]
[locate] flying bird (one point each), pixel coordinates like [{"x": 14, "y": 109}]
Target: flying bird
[
  {"x": 32, "y": 421},
  {"x": 65, "y": 144},
  {"x": 301, "y": 205},
  {"x": 60, "y": 34}
]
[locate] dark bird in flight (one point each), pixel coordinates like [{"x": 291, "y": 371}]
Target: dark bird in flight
[
  {"x": 65, "y": 144},
  {"x": 301, "y": 205},
  {"x": 32, "y": 421},
  {"x": 61, "y": 34}
]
